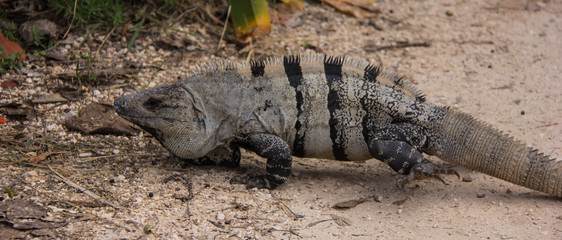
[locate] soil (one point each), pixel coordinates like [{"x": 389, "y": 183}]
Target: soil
[{"x": 496, "y": 60}]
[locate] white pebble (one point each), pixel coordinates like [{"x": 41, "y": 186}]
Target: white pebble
[
  {"x": 51, "y": 127},
  {"x": 85, "y": 154},
  {"x": 120, "y": 178},
  {"x": 70, "y": 113}
]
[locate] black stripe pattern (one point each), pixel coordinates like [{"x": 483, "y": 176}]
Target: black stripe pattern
[
  {"x": 257, "y": 68},
  {"x": 333, "y": 71},
  {"x": 370, "y": 77},
  {"x": 294, "y": 74}
]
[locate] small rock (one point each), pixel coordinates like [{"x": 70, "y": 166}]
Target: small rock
[
  {"x": 31, "y": 30},
  {"x": 295, "y": 173},
  {"x": 70, "y": 113},
  {"x": 480, "y": 195},
  {"x": 85, "y": 154},
  {"x": 51, "y": 127},
  {"x": 120, "y": 177},
  {"x": 220, "y": 216},
  {"x": 467, "y": 179},
  {"x": 541, "y": 4},
  {"x": 30, "y": 176}
]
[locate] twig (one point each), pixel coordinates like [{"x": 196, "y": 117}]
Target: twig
[
  {"x": 224, "y": 28},
  {"x": 104, "y": 40},
  {"x": 314, "y": 223},
  {"x": 289, "y": 212},
  {"x": 291, "y": 230},
  {"x": 116, "y": 155},
  {"x": 399, "y": 44},
  {"x": 71, "y": 21},
  {"x": 190, "y": 194},
  {"x": 82, "y": 189}
]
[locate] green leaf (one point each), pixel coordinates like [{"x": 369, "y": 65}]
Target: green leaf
[{"x": 250, "y": 18}]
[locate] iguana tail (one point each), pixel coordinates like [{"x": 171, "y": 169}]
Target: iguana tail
[{"x": 463, "y": 140}]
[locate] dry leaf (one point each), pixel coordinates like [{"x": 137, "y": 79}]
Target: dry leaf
[
  {"x": 349, "y": 203},
  {"x": 10, "y": 47},
  {"x": 41, "y": 157},
  {"x": 51, "y": 98},
  {"x": 289, "y": 212},
  {"x": 97, "y": 118},
  {"x": 9, "y": 84},
  {"x": 18, "y": 111},
  {"x": 24, "y": 215}
]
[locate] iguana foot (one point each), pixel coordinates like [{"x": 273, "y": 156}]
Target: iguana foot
[
  {"x": 255, "y": 180},
  {"x": 424, "y": 170}
]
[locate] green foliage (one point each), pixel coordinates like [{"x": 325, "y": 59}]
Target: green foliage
[
  {"x": 9, "y": 29},
  {"x": 9, "y": 192},
  {"x": 250, "y": 18},
  {"x": 39, "y": 41},
  {"x": 111, "y": 12},
  {"x": 136, "y": 34},
  {"x": 12, "y": 61},
  {"x": 114, "y": 12},
  {"x": 84, "y": 74}
]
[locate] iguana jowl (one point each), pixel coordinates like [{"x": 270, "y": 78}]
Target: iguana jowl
[{"x": 325, "y": 107}]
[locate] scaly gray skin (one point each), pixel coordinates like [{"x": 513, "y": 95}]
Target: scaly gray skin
[{"x": 325, "y": 107}]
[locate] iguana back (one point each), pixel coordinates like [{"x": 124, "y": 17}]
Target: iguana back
[{"x": 325, "y": 107}]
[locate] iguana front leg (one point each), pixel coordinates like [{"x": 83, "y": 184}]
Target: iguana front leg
[
  {"x": 278, "y": 156},
  {"x": 400, "y": 145}
]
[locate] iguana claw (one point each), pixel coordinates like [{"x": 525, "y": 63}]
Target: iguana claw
[{"x": 424, "y": 170}]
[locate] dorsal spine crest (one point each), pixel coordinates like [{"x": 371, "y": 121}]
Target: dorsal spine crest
[{"x": 257, "y": 68}]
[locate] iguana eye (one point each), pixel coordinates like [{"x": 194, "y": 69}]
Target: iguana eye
[{"x": 152, "y": 103}]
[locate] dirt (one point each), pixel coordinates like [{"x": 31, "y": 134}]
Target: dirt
[{"x": 496, "y": 60}]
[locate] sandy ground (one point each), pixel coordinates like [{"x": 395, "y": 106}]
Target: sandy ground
[{"x": 497, "y": 60}]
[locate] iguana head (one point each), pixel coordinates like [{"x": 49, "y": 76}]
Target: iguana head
[{"x": 172, "y": 114}]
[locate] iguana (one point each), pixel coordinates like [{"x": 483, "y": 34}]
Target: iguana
[{"x": 325, "y": 107}]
